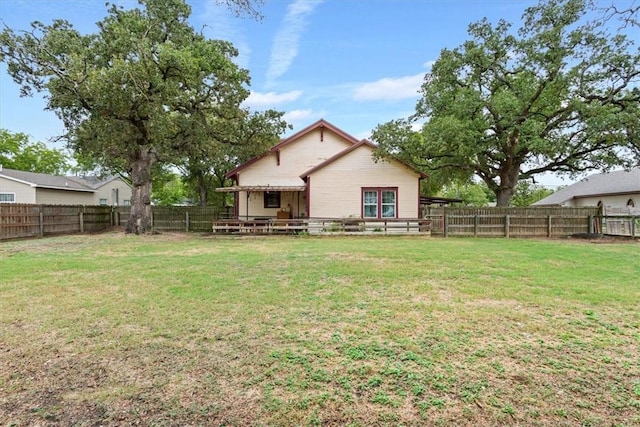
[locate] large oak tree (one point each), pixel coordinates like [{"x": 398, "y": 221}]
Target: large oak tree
[
  {"x": 559, "y": 95},
  {"x": 140, "y": 91}
]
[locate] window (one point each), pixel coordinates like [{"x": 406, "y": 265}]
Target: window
[
  {"x": 379, "y": 202},
  {"x": 126, "y": 202},
  {"x": 103, "y": 202},
  {"x": 631, "y": 203},
  {"x": 7, "y": 197},
  {"x": 271, "y": 199}
]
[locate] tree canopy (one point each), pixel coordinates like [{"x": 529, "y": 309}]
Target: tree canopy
[
  {"x": 145, "y": 89},
  {"x": 559, "y": 95},
  {"x": 17, "y": 152}
]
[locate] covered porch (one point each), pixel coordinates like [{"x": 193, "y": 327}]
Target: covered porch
[{"x": 268, "y": 202}]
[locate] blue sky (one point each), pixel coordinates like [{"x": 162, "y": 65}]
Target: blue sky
[{"x": 355, "y": 63}]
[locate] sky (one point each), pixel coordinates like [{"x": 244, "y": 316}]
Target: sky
[{"x": 354, "y": 63}]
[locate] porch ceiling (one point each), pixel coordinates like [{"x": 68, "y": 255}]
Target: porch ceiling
[{"x": 263, "y": 188}]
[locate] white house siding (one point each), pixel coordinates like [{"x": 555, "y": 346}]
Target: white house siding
[
  {"x": 293, "y": 202},
  {"x": 608, "y": 201},
  {"x": 108, "y": 192},
  {"x": 24, "y": 193},
  {"x": 48, "y": 196},
  {"x": 336, "y": 190},
  {"x": 295, "y": 158}
]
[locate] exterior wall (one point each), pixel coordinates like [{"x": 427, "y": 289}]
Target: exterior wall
[
  {"x": 24, "y": 192},
  {"x": 614, "y": 201},
  {"x": 336, "y": 190},
  {"x": 295, "y": 159},
  {"x": 48, "y": 196},
  {"x": 108, "y": 192},
  {"x": 293, "y": 202}
]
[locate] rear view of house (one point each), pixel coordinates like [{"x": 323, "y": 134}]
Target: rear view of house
[{"x": 323, "y": 172}]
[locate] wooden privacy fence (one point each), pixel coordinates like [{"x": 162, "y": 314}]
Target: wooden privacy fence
[
  {"x": 621, "y": 225},
  {"x": 26, "y": 220},
  {"x": 513, "y": 222}
]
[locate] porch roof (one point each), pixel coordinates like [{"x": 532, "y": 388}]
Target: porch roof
[{"x": 263, "y": 188}]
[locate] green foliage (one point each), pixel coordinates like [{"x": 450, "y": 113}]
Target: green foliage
[
  {"x": 559, "y": 95},
  {"x": 472, "y": 194},
  {"x": 169, "y": 191},
  {"x": 16, "y": 152},
  {"x": 527, "y": 194},
  {"x": 145, "y": 89},
  {"x": 205, "y": 165}
]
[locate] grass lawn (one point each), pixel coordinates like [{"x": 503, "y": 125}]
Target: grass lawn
[{"x": 172, "y": 330}]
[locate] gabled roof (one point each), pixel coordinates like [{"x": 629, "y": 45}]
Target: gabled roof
[
  {"x": 70, "y": 183},
  {"x": 602, "y": 184},
  {"x": 96, "y": 182},
  {"x": 320, "y": 124},
  {"x": 346, "y": 151},
  {"x": 43, "y": 180}
]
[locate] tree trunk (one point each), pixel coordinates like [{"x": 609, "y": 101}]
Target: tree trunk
[
  {"x": 140, "y": 217},
  {"x": 508, "y": 181},
  {"x": 504, "y": 195},
  {"x": 204, "y": 190}
]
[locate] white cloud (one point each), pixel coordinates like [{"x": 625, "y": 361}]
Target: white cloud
[
  {"x": 270, "y": 99},
  {"x": 429, "y": 64},
  {"x": 285, "y": 44},
  {"x": 302, "y": 117},
  {"x": 390, "y": 88}
]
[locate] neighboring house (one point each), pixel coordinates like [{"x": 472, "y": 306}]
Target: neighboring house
[
  {"x": 616, "y": 191},
  {"x": 39, "y": 188},
  {"x": 323, "y": 172}
]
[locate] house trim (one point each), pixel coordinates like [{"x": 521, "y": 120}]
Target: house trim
[{"x": 320, "y": 124}]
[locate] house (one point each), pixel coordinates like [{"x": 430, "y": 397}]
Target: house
[
  {"x": 39, "y": 188},
  {"x": 613, "y": 192},
  {"x": 323, "y": 172}
]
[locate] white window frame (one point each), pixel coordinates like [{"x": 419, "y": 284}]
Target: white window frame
[{"x": 6, "y": 193}]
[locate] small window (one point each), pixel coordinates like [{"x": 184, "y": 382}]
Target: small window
[
  {"x": 272, "y": 199},
  {"x": 126, "y": 202},
  {"x": 631, "y": 203},
  {"x": 103, "y": 202},
  {"x": 7, "y": 197}
]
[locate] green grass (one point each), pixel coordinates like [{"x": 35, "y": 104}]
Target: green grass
[{"x": 184, "y": 329}]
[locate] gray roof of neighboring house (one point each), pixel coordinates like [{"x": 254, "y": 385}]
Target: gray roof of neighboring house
[
  {"x": 602, "y": 184},
  {"x": 43, "y": 180}
]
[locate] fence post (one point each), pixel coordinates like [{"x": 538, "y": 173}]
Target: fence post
[
  {"x": 475, "y": 226},
  {"x": 633, "y": 226},
  {"x": 506, "y": 226},
  {"x": 549, "y": 226},
  {"x": 41, "y": 221},
  {"x": 591, "y": 227},
  {"x": 186, "y": 220},
  {"x": 81, "y": 215},
  {"x": 445, "y": 224}
]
